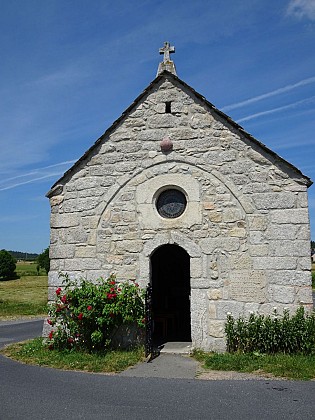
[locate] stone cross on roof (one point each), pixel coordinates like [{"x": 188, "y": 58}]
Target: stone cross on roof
[
  {"x": 167, "y": 50},
  {"x": 167, "y": 63}
]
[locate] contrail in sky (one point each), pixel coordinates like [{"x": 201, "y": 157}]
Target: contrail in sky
[
  {"x": 29, "y": 181},
  {"x": 269, "y": 94},
  {"x": 35, "y": 175},
  {"x": 281, "y": 108}
]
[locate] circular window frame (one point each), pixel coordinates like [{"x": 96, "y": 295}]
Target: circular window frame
[{"x": 169, "y": 188}]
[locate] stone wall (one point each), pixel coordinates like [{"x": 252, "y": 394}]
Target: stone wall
[{"x": 246, "y": 226}]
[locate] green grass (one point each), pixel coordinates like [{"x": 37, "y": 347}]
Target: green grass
[
  {"x": 280, "y": 365},
  {"x": 25, "y": 296},
  {"x": 25, "y": 268},
  {"x": 33, "y": 352},
  {"x": 313, "y": 275}
]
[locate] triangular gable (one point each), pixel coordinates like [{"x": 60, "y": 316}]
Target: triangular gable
[{"x": 165, "y": 74}]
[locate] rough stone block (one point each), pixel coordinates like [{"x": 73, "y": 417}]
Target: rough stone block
[
  {"x": 64, "y": 220},
  {"x": 75, "y": 235},
  {"x": 305, "y": 263},
  {"x": 216, "y": 328},
  {"x": 289, "y": 277},
  {"x": 259, "y": 250},
  {"x": 85, "y": 252},
  {"x": 196, "y": 267},
  {"x": 282, "y": 294},
  {"x": 82, "y": 264},
  {"x": 161, "y": 121},
  {"x": 240, "y": 261},
  {"x": 129, "y": 246},
  {"x": 289, "y": 248},
  {"x": 294, "y": 216},
  {"x": 225, "y": 307},
  {"x": 208, "y": 245},
  {"x": 183, "y": 133},
  {"x": 274, "y": 263},
  {"x": 212, "y": 311},
  {"x": 267, "y": 201},
  {"x": 238, "y": 232},
  {"x": 304, "y": 296},
  {"x": 284, "y": 231},
  {"x": 61, "y": 251},
  {"x": 257, "y": 222},
  {"x": 215, "y": 294},
  {"x": 232, "y": 215}
]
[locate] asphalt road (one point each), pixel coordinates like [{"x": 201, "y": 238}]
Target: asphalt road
[
  {"x": 32, "y": 392},
  {"x": 13, "y": 331}
]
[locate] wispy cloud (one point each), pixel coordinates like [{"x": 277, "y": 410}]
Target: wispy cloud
[
  {"x": 36, "y": 175},
  {"x": 275, "y": 92},
  {"x": 38, "y": 170},
  {"x": 278, "y": 109},
  {"x": 302, "y": 9}
]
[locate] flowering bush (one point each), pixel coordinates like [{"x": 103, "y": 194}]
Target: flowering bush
[{"x": 86, "y": 316}]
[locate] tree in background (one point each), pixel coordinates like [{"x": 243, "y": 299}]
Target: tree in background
[
  {"x": 43, "y": 260},
  {"x": 7, "y": 265}
]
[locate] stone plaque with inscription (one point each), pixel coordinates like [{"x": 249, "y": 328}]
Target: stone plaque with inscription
[{"x": 248, "y": 286}]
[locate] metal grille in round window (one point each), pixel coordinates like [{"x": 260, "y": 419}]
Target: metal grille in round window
[{"x": 171, "y": 204}]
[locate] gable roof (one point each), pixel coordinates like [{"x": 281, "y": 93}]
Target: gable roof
[{"x": 170, "y": 76}]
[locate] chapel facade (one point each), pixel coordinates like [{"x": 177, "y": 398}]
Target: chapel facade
[{"x": 177, "y": 195}]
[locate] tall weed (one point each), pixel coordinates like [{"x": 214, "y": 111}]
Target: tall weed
[{"x": 272, "y": 333}]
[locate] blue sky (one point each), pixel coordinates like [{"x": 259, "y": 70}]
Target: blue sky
[{"x": 70, "y": 68}]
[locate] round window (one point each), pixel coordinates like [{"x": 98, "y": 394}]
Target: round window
[{"x": 171, "y": 203}]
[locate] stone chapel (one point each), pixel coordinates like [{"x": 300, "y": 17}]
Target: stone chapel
[{"x": 177, "y": 195}]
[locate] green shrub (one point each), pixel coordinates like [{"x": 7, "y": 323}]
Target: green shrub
[
  {"x": 43, "y": 260},
  {"x": 313, "y": 279},
  {"x": 7, "y": 265},
  {"x": 85, "y": 317},
  {"x": 272, "y": 334}
]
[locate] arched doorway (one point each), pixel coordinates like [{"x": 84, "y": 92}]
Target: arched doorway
[{"x": 170, "y": 279}]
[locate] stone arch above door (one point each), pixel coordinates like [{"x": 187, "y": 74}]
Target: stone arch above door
[{"x": 160, "y": 239}]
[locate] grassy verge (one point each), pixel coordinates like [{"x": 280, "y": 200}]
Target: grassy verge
[
  {"x": 23, "y": 297},
  {"x": 33, "y": 352},
  {"x": 279, "y": 365}
]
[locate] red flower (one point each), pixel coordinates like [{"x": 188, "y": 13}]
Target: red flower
[
  {"x": 89, "y": 308},
  {"x": 58, "y": 291},
  {"x": 119, "y": 289},
  {"x": 80, "y": 316},
  {"x": 70, "y": 340},
  {"x": 111, "y": 295},
  {"x": 51, "y": 335},
  {"x": 112, "y": 289},
  {"x": 49, "y": 322},
  {"x": 64, "y": 299},
  {"x": 112, "y": 282},
  {"x": 136, "y": 284}
]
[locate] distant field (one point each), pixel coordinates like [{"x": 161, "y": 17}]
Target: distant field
[
  {"x": 26, "y": 296},
  {"x": 25, "y": 268}
]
